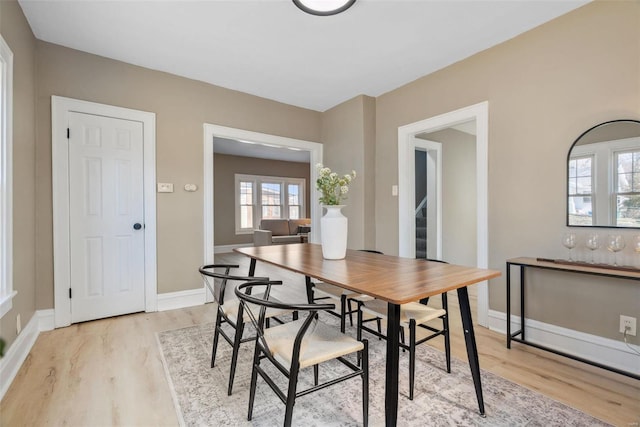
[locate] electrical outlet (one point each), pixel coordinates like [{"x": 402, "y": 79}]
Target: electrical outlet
[
  {"x": 629, "y": 323},
  {"x": 18, "y": 325}
]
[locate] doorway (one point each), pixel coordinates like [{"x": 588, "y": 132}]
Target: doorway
[
  {"x": 104, "y": 211},
  {"x": 428, "y": 198},
  {"x": 407, "y": 135},
  {"x": 214, "y": 131}
]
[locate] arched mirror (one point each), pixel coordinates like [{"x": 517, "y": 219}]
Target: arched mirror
[{"x": 603, "y": 176}]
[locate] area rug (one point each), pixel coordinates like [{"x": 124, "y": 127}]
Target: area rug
[{"x": 441, "y": 399}]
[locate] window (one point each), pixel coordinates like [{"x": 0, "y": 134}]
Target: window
[
  {"x": 627, "y": 188},
  {"x": 267, "y": 197},
  {"x": 6, "y": 162},
  {"x": 581, "y": 190}
]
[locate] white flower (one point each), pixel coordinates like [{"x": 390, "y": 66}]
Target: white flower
[
  {"x": 344, "y": 189},
  {"x": 333, "y": 175},
  {"x": 325, "y": 171}
]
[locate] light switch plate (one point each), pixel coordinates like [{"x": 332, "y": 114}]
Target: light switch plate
[{"x": 165, "y": 187}]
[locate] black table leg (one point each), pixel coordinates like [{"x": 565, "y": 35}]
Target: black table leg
[
  {"x": 470, "y": 340},
  {"x": 309, "y": 284},
  {"x": 508, "y": 305},
  {"x": 252, "y": 267},
  {"x": 393, "y": 359},
  {"x": 522, "y": 269}
]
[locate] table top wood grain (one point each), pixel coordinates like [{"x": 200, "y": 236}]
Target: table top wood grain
[{"x": 389, "y": 278}]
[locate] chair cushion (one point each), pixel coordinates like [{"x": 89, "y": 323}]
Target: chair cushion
[
  {"x": 413, "y": 310},
  {"x": 294, "y": 224},
  {"x": 286, "y": 239},
  {"x": 321, "y": 343},
  {"x": 232, "y": 305},
  {"x": 278, "y": 227}
]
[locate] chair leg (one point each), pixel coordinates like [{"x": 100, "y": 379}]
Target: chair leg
[
  {"x": 412, "y": 356},
  {"x": 254, "y": 381},
  {"x": 402, "y": 336},
  {"x": 234, "y": 355},
  {"x": 291, "y": 394},
  {"x": 350, "y": 312},
  {"x": 365, "y": 383},
  {"x": 379, "y": 323},
  {"x": 216, "y": 335},
  {"x": 343, "y": 310},
  {"x": 359, "y": 328},
  {"x": 445, "y": 324},
  {"x": 316, "y": 374}
]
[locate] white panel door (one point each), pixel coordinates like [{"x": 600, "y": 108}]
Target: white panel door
[{"x": 106, "y": 211}]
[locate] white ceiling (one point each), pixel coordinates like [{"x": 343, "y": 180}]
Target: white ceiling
[
  {"x": 259, "y": 150},
  {"x": 272, "y": 49}
]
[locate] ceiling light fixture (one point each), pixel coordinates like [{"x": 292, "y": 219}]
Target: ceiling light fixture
[{"x": 324, "y": 7}]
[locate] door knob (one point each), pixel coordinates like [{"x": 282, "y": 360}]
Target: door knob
[{"x": 137, "y": 226}]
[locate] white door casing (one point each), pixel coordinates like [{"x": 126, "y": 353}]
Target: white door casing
[
  {"x": 95, "y": 206},
  {"x": 406, "y": 186},
  {"x": 105, "y": 201}
]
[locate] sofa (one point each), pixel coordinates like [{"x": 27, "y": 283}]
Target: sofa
[{"x": 281, "y": 231}]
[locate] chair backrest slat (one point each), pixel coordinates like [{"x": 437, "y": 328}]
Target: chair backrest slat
[{"x": 216, "y": 276}]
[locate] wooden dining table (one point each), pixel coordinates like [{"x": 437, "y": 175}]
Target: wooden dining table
[{"x": 392, "y": 279}]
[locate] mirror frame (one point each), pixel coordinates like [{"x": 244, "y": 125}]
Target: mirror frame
[{"x": 567, "y": 175}]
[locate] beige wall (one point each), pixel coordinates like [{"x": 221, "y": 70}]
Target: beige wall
[
  {"x": 17, "y": 33},
  {"x": 181, "y": 106},
  {"x": 225, "y": 168},
  {"x": 544, "y": 88},
  {"x": 348, "y": 144}
]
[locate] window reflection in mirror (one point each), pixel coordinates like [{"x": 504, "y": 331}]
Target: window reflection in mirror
[{"x": 603, "y": 176}]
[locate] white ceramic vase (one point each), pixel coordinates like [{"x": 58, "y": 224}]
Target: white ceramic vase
[{"x": 333, "y": 233}]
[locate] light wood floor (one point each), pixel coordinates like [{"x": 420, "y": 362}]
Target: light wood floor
[{"x": 109, "y": 372}]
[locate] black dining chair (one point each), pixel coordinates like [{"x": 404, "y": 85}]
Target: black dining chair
[
  {"x": 229, "y": 311},
  {"x": 325, "y": 291},
  {"x": 412, "y": 315},
  {"x": 294, "y": 346}
]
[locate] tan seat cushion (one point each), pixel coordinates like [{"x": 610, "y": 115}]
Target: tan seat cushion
[
  {"x": 321, "y": 343},
  {"x": 295, "y": 223},
  {"x": 413, "y": 310},
  {"x": 278, "y": 227}
]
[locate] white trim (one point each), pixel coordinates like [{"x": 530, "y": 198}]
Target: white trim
[
  {"x": 46, "y": 320},
  {"x": 6, "y": 180},
  {"x": 592, "y": 347},
  {"x": 17, "y": 353},
  {"x": 223, "y": 249},
  {"x": 181, "y": 299},
  {"x": 406, "y": 186},
  {"x": 211, "y": 131},
  {"x": 60, "y": 108},
  {"x": 42, "y": 320}
]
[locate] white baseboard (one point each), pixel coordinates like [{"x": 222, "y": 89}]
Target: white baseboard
[
  {"x": 223, "y": 249},
  {"x": 591, "y": 347},
  {"x": 42, "y": 320},
  {"x": 46, "y": 320},
  {"x": 181, "y": 299}
]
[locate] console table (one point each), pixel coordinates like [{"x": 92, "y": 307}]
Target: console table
[{"x": 560, "y": 265}]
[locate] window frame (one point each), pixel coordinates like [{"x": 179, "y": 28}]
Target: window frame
[
  {"x": 615, "y": 192},
  {"x": 6, "y": 178},
  {"x": 594, "y": 202},
  {"x": 257, "y": 181}
]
